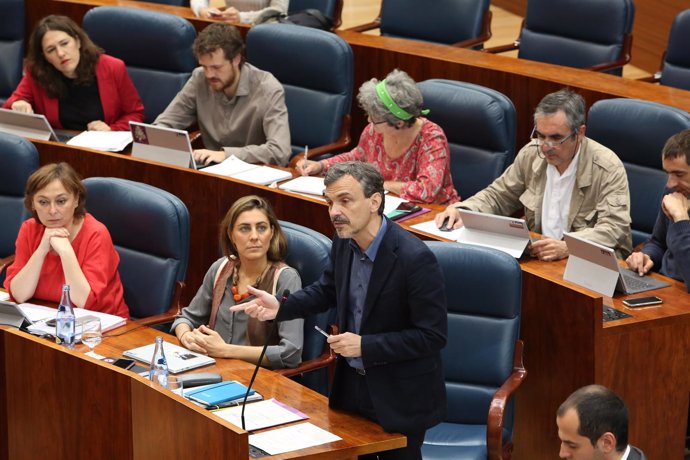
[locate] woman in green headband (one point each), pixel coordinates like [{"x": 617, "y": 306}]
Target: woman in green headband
[{"x": 410, "y": 151}]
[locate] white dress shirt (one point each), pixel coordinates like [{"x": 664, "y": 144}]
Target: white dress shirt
[{"x": 556, "y": 202}]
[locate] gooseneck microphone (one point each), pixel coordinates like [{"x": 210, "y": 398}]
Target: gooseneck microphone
[{"x": 286, "y": 293}]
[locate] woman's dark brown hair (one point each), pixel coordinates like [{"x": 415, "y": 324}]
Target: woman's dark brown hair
[
  {"x": 47, "y": 174},
  {"x": 46, "y": 75}
]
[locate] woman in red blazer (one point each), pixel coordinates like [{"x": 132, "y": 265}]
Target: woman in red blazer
[{"x": 73, "y": 83}]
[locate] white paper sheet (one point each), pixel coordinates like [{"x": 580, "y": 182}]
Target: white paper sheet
[
  {"x": 108, "y": 141},
  {"x": 291, "y": 438},
  {"x": 262, "y": 414},
  {"x": 430, "y": 227}
]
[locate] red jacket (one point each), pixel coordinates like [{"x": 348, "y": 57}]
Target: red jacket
[{"x": 119, "y": 98}]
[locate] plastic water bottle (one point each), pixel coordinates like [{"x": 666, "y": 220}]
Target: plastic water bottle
[
  {"x": 158, "y": 372},
  {"x": 64, "y": 321}
]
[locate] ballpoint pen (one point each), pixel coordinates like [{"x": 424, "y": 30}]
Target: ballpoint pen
[{"x": 306, "y": 156}]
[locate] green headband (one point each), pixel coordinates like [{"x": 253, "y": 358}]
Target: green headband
[{"x": 390, "y": 104}]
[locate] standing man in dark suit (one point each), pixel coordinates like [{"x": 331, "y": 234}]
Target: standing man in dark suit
[
  {"x": 593, "y": 425},
  {"x": 389, "y": 292}
]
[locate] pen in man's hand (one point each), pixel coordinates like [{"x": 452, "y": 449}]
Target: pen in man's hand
[
  {"x": 304, "y": 161},
  {"x": 321, "y": 331}
]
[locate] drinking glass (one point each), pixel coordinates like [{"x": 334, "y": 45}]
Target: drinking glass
[
  {"x": 175, "y": 385},
  {"x": 91, "y": 335}
]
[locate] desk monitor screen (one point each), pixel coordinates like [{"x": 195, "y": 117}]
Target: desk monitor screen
[
  {"x": 31, "y": 125},
  {"x": 166, "y": 145},
  {"x": 506, "y": 234},
  {"x": 595, "y": 267}
]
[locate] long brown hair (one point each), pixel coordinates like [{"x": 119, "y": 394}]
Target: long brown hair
[{"x": 46, "y": 75}]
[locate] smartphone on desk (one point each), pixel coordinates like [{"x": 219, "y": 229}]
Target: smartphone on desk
[{"x": 642, "y": 301}]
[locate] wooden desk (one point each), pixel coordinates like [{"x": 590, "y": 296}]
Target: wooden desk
[{"x": 62, "y": 404}]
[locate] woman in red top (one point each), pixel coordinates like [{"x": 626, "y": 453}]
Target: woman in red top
[
  {"x": 70, "y": 81},
  {"x": 410, "y": 151},
  {"x": 62, "y": 244}
]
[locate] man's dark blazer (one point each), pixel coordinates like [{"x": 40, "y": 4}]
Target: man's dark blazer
[
  {"x": 636, "y": 454},
  {"x": 403, "y": 329}
]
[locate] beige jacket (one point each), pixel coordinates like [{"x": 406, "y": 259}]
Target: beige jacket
[{"x": 599, "y": 207}]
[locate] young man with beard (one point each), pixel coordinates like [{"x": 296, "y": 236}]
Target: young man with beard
[{"x": 240, "y": 109}]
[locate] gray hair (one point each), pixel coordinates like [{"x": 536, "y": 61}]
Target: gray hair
[
  {"x": 366, "y": 174},
  {"x": 567, "y": 100},
  {"x": 402, "y": 89}
]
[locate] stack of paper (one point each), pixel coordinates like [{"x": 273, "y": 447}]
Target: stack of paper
[
  {"x": 241, "y": 170},
  {"x": 107, "y": 141},
  {"x": 310, "y": 185},
  {"x": 261, "y": 414},
  {"x": 39, "y": 315}
]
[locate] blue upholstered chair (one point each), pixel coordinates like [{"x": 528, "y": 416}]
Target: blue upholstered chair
[
  {"x": 483, "y": 357},
  {"x": 19, "y": 159},
  {"x": 480, "y": 126},
  {"x": 675, "y": 64},
  {"x": 11, "y": 46},
  {"x": 462, "y": 23},
  {"x": 330, "y": 8},
  {"x": 637, "y": 131},
  {"x": 150, "y": 230},
  {"x": 588, "y": 34},
  {"x": 309, "y": 252},
  {"x": 317, "y": 78},
  {"x": 156, "y": 48}
]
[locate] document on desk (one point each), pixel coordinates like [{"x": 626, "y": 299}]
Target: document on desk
[
  {"x": 291, "y": 438},
  {"x": 262, "y": 414},
  {"x": 4, "y": 295},
  {"x": 241, "y": 170},
  {"x": 107, "y": 141},
  {"x": 39, "y": 314},
  {"x": 310, "y": 185}
]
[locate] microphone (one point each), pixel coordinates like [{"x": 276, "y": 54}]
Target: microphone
[{"x": 284, "y": 297}]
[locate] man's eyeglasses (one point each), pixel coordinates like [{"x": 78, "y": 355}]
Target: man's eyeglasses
[{"x": 550, "y": 141}]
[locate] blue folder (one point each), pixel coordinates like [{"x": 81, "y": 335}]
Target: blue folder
[{"x": 218, "y": 393}]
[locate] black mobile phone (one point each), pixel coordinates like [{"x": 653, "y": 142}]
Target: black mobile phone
[
  {"x": 642, "y": 301},
  {"x": 124, "y": 363}
]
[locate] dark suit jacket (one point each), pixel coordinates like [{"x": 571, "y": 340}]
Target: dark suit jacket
[
  {"x": 404, "y": 326},
  {"x": 636, "y": 454}
]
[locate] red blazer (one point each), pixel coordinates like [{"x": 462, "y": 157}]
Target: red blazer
[{"x": 119, "y": 98}]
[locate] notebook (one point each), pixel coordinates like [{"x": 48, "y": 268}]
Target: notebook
[
  {"x": 166, "y": 145},
  {"x": 217, "y": 393},
  {"x": 506, "y": 234},
  {"x": 179, "y": 359},
  {"x": 32, "y": 125},
  {"x": 595, "y": 267},
  {"x": 311, "y": 185},
  {"x": 248, "y": 172}
]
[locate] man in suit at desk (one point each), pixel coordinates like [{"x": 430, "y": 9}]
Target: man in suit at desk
[
  {"x": 669, "y": 247},
  {"x": 388, "y": 289},
  {"x": 593, "y": 425},
  {"x": 562, "y": 181},
  {"x": 240, "y": 109}
]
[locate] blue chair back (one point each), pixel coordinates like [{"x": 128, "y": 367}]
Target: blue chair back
[
  {"x": 309, "y": 252},
  {"x": 636, "y": 131},
  {"x": 19, "y": 159},
  {"x": 484, "y": 292},
  {"x": 576, "y": 33},
  {"x": 156, "y": 48},
  {"x": 11, "y": 46},
  {"x": 675, "y": 70},
  {"x": 330, "y": 8},
  {"x": 447, "y": 21},
  {"x": 317, "y": 78},
  {"x": 150, "y": 231},
  {"x": 480, "y": 126}
]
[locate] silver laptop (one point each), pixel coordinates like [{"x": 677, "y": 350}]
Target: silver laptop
[
  {"x": 12, "y": 315},
  {"x": 595, "y": 267},
  {"x": 179, "y": 359},
  {"x": 506, "y": 234},
  {"x": 166, "y": 145},
  {"x": 31, "y": 125}
]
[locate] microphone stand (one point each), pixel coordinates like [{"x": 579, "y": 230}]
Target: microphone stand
[{"x": 286, "y": 293}]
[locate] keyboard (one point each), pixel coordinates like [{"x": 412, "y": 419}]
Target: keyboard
[
  {"x": 611, "y": 314},
  {"x": 635, "y": 282}
]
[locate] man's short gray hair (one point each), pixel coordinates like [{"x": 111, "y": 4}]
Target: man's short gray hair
[
  {"x": 402, "y": 89},
  {"x": 366, "y": 174},
  {"x": 567, "y": 100}
]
